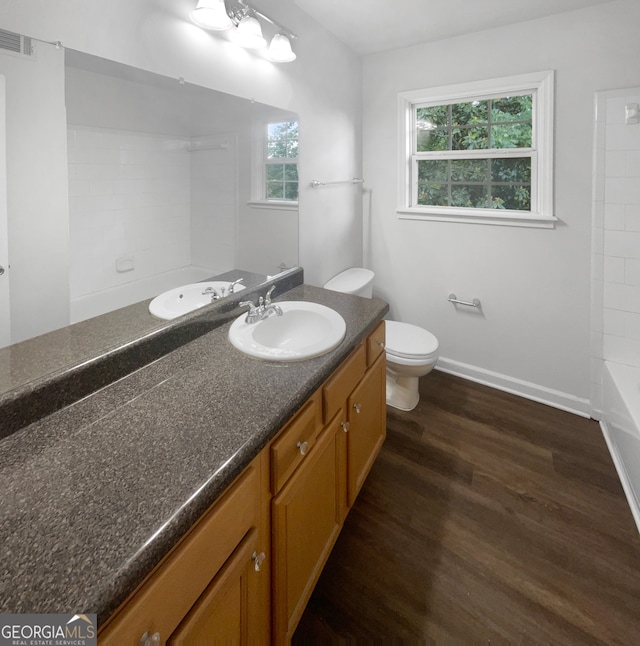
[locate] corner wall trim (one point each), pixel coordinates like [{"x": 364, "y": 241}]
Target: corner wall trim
[{"x": 526, "y": 389}]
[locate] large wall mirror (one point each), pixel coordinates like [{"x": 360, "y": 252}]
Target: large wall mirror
[
  {"x": 165, "y": 187},
  {"x": 121, "y": 184}
]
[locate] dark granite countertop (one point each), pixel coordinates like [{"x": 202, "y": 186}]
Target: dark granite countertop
[{"x": 96, "y": 493}]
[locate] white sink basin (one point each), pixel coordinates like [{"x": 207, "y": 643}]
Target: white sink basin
[
  {"x": 187, "y": 298},
  {"x": 305, "y": 330}
]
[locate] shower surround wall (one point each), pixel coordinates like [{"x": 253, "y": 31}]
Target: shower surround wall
[
  {"x": 143, "y": 207},
  {"x": 616, "y": 286},
  {"x": 616, "y": 238},
  {"x": 214, "y": 200}
]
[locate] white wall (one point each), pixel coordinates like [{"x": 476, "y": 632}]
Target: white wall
[
  {"x": 37, "y": 203},
  {"x": 322, "y": 86},
  {"x": 533, "y": 336},
  {"x": 5, "y": 294}
]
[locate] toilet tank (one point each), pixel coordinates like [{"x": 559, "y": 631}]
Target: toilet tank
[{"x": 356, "y": 280}]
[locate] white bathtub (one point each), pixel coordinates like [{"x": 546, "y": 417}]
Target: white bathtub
[
  {"x": 621, "y": 427},
  {"x": 107, "y": 300}
]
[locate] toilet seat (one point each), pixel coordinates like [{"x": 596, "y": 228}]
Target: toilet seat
[{"x": 407, "y": 341}]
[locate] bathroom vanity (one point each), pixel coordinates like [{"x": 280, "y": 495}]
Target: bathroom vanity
[
  {"x": 274, "y": 527},
  {"x": 206, "y": 486}
]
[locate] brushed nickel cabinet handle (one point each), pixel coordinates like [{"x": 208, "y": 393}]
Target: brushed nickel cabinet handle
[
  {"x": 153, "y": 640},
  {"x": 303, "y": 446},
  {"x": 257, "y": 560}
]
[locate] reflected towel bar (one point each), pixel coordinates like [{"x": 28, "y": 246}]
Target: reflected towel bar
[
  {"x": 474, "y": 303},
  {"x": 315, "y": 183},
  {"x": 198, "y": 146}
]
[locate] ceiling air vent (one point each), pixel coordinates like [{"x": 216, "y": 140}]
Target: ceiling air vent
[{"x": 15, "y": 42}]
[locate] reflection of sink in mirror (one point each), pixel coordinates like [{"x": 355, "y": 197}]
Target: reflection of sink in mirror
[
  {"x": 303, "y": 331},
  {"x": 187, "y": 298}
]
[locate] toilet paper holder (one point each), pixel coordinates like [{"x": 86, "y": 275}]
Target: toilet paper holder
[{"x": 474, "y": 303}]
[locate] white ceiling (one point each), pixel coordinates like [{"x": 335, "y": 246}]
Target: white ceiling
[{"x": 369, "y": 26}]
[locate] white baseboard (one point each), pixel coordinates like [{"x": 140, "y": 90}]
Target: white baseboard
[
  {"x": 622, "y": 474},
  {"x": 535, "y": 392}
]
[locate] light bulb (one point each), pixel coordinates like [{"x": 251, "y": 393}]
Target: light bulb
[
  {"x": 249, "y": 33},
  {"x": 211, "y": 14},
  {"x": 280, "y": 50}
]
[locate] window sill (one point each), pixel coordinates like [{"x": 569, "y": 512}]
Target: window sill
[
  {"x": 273, "y": 204},
  {"x": 506, "y": 219}
]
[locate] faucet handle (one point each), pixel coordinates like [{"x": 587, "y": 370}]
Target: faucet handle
[
  {"x": 252, "y": 307},
  {"x": 267, "y": 298}
]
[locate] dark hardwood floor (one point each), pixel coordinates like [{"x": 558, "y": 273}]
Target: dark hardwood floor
[{"x": 486, "y": 518}]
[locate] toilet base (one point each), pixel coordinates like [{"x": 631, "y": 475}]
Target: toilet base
[{"x": 402, "y": 392}]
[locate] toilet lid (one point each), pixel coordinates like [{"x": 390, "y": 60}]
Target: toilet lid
[
  {"x": 409, "y": 341},
  {"x": 350, "y": 280}
]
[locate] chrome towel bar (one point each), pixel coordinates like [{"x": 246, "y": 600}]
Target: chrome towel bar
[
  {"x": 474, "y": 303},
  {"x": 315, "y": 183}
]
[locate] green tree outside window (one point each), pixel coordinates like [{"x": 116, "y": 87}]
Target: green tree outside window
[
  {"x": 493, "y": 182},
  {"x": 281, "y": 170}
]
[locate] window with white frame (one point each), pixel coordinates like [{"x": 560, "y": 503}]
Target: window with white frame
[
  {"x": 479, "y": 151},
  {"x": 281, "y": 161}
]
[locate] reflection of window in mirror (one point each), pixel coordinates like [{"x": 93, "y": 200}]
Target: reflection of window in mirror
[
  {"x": 275, "y": 158},
  {"x": 281, "y": 161}
]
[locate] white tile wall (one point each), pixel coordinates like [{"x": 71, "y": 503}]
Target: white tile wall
[
  {"x": 616, "y": 236},
  {"x": 214, "y": 194},
  {"x": 129, "y": 203}
]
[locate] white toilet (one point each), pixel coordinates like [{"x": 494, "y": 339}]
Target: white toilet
[{"x": 411, "y": 351}]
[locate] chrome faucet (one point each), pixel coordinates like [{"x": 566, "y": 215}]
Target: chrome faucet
[
  {"x": 215, "y": 295},
  {"x": 232, "y": 287},
  {"x": 212, "y": 291},
  {"x": 263, "y": 310}
]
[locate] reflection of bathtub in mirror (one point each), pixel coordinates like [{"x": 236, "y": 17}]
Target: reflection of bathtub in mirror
[
  {"x": 114, "y": 298},
  {"x": 190, "y": 297}
]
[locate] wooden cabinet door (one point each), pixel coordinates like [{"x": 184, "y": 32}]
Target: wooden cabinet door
[
  {"x": 367, "y": 415},
  {"x": 306, "y": 520},
  {"x": 223, "y": 614}
]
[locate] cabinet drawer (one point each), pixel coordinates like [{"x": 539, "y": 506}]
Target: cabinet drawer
[
  {"x": 160, "y": 604},
  {"x": 375, "y": 344},
  {"x": 294, "y": 442},
  {"x": 345, "y": 379}
]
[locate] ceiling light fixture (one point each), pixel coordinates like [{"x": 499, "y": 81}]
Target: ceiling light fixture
[{"x": 245, "y": 21}]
